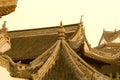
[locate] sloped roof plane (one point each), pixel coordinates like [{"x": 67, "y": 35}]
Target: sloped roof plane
[
  {"x": 111, "y": 35},
  {"x": 108, "y": 57},
  {"x": 72, "y": 66},
  {"x": 29, "y": 44}
]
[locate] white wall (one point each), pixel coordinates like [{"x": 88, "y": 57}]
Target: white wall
[
  {"x": 103, "y": 41},
  {"x": 117, "y": 40}
]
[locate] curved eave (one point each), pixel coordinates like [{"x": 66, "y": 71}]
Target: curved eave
[
  {"x": 84, "y": 70},
  {"x": 5, "y": 10},
  {"x": 103, "y": 56}
]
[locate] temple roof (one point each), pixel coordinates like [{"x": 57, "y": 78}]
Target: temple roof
[
  {"x": 54, "y": 57},
  {"x": 78, "y": 39},
  {"x": 28, "y": 44},
  {"x": 111, "y": 35},
  {"x": 105, "y": 55},
  {"x": 108, "y": 52},
  {"x": 7, "y": 6},
  {"x": 61, "y": 62},
  {"x": 113, "y": 44}
]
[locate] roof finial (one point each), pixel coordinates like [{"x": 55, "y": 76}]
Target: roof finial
[
  {"x": 61, "y": 31},
  {"x": 4, "y": 24},
  {"x": 4, "y": 29},
  {"x": 115, "y": 30},
  {"x": 61, "y": 24},
  {"x": 81, "y": 22},
  {"x": 103, "y": 29}
]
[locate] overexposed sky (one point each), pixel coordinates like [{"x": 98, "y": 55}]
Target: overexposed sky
[{"x": 98, "y": 14}]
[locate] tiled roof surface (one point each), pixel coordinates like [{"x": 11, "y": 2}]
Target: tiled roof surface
[
  {"x": 62, "y": 63},
  {"x": 107, "y": 49},
  {"x": 28, "y": 44}
]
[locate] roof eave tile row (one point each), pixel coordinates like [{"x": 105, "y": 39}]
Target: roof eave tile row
[{"x": 7, "y": 6}]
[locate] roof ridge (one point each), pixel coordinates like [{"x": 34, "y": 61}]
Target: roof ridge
[
  {"x": 42, "y": 28},
  {"x": 40, "y": 31}
]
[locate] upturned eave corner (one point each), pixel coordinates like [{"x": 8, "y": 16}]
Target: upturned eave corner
[{"x": 7, "y": 7}]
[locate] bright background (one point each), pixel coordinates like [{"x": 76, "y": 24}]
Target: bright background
[{"x": 98, "y": 14}]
